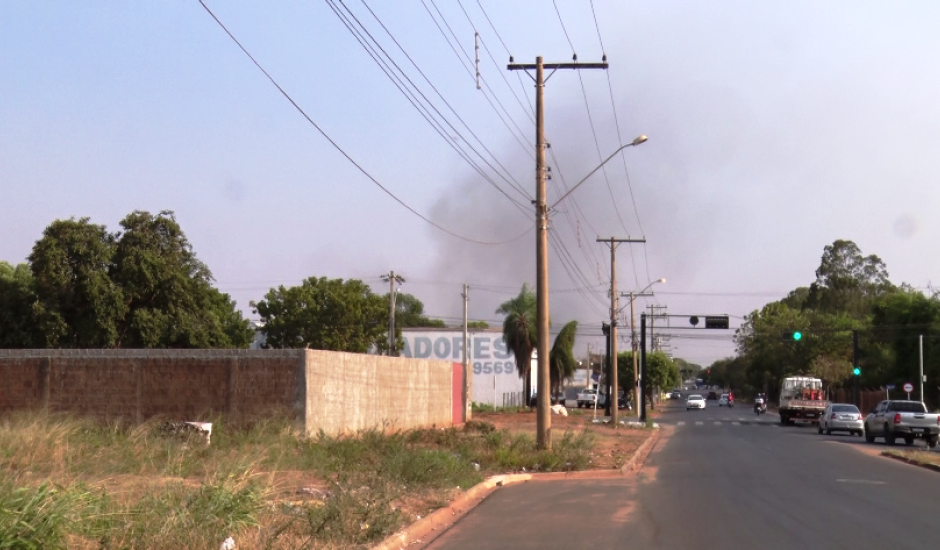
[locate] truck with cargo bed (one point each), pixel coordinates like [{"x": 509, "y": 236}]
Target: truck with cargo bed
[
  {"x": 801, "y": 398},
  {"x": 907, "y": 420}
]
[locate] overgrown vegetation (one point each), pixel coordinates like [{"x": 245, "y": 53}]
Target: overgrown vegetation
[
  {"x": 851, "y": 293},
  {"x": 69, "y": 483}
]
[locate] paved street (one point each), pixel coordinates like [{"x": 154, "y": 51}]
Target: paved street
[{"x": 725, "y": 479}]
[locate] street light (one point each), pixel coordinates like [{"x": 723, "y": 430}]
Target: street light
[
  {"x": 633, "y": 295},
  {"x": 638, "y": 140}
]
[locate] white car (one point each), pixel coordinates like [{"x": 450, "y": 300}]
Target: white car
[
  {"x": 725, "y": 400},
  {"x": 695, "y": 402}
]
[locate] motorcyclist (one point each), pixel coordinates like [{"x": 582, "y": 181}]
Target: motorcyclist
[{"x": 760, "y": 403}]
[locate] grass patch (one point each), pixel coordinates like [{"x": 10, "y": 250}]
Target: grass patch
[
  {"x": 66, "y": 482},
  {"x": 924, "y": 457}
]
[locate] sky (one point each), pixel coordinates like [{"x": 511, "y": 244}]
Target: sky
[{"x": 775, "y": 128}]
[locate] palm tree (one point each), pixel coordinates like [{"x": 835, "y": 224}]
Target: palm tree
[
  {"x": 519, "y": 332},
  {"x": 563, "y": 363}
]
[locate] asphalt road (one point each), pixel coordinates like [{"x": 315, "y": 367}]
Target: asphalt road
[{"x": 722, "y": 478}]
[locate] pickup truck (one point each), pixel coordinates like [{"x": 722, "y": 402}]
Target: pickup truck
[
  {"x": 902, "y": 419},
  {"x": 586, "y": 399}
]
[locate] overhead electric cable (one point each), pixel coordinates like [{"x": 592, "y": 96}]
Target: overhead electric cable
[
  {"x": 422, "y": 109},
  {"x": 526, "y": 148},
  {"x": 335, "y": 145}
]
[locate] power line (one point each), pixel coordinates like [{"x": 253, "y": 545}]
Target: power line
[
  {"x": 453, "y": 48},
  {"x": 623, "y": 156},
  {"x": 597, "y": 145},
  {"x": 490, "y": 54},
  {"x": 333, "y": 143},
  {"x": 423, "y": 110},
  {"x": 501, "y": 41}
]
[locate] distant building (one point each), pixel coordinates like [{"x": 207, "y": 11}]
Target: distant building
[
  {"x": 496, "y": 380},
  {"x": 260, "y": 339}
]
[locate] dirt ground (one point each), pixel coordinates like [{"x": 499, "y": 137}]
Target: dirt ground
[{"x": 613, "y": 447}]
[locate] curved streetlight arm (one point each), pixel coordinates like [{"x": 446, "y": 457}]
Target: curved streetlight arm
[
  {"x": 633, "y": 143},
  {"x": 635, "y": 295}
]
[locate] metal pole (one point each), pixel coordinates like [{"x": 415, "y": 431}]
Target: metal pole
[
  {"x": 543, "y": 420},
  {"x": 636, "y": 392},
  {"x": 920, "y": 341},
  {"x": 642, "y": 403},
  {"x": 855, "y": 364}
]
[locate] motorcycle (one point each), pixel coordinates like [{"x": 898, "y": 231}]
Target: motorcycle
[{"x": 759, "y": 406}]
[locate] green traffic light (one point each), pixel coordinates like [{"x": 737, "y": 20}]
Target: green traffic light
[
  {"x": 856, "y": 371},
  {"x": 797, "y": 336}
]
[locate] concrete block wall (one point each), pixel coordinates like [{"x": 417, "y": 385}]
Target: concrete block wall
[{"x": 347, "y": 392}]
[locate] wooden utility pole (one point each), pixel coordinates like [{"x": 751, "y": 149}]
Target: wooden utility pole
[
  {"x": 614, "y": 383},
  {"x": 392, "y": 278},
  {"x": 543, "y": 420}
]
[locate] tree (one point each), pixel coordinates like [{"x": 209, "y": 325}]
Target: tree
[
  {"x": 409, "y": 313},
  {"x": 17, "y": 324},
  {"x": 846, "y": 281},
  {"x": 77, "y": 304},
  {"x": 328, "y": 314},
  {"x": 477, "y": 324},
  {"x": 520, "y": 332},
  {"x": 561, "y": 359},
  {"x": 168, "y": 298},
  {"x": 661, "y": 372},
  {"x": 140, "y": 288}
]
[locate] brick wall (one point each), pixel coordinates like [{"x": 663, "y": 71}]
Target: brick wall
[
  {"x": 332, "y": 391},
  {"x": 133, "y": 385}
]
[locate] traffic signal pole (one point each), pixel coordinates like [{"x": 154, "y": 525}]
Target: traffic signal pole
[
  {"x": 855, "y": 365},
  {"x": 642, "y": 403}
]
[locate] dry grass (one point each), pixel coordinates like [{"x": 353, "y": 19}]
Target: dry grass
[
  {"x": 66, "y": 482},
  {"x": 922, "y": 457}
]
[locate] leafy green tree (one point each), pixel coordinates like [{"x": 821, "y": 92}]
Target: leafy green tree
[
  {"x": 562, "y": 361},
  {"x": 477, "y": 324},
  {"x": 327, "y": 314},
  {"x": 139, "y": 288},
  {"x": 409, "y": 313},
  {"x": 77, "y": 304},
  {"x": 167, "y": 292},
  {"x": 846, "y": 281},
  {"x": 897, "y": 321},
  {"x": 520, "y": 331},
  {"x": 661, "y": 372},
  {"x": 17, "y": 325}
]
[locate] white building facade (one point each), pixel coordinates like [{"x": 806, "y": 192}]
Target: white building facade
[{"x": 495, "y": 377}]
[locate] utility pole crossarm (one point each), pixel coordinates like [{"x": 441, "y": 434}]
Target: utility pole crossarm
[{"x": 555, "y": 66}]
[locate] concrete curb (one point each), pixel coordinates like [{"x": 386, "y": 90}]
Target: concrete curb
[
  {"x": 426, "y": 529},
  {"x": 912, "y": 461}
]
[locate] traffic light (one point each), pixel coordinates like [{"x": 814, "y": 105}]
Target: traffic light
[
  {"x": 794, "y": 336},
  {"x": 797, "y": 336},
  {"x": 856, "y": 371},
  {"x": 715, "y": 321}
]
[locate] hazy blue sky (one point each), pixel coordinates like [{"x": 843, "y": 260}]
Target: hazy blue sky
[{"x": 774, "y": 129}]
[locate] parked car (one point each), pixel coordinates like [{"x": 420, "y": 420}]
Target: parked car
[
  {"x": 905, "y": 419},
  {"x": 843, "y": 417},
  {"x": 712, "y": 396},
  {"x": 695, "y": 401},
  {"x": 587, "y": 397}
]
